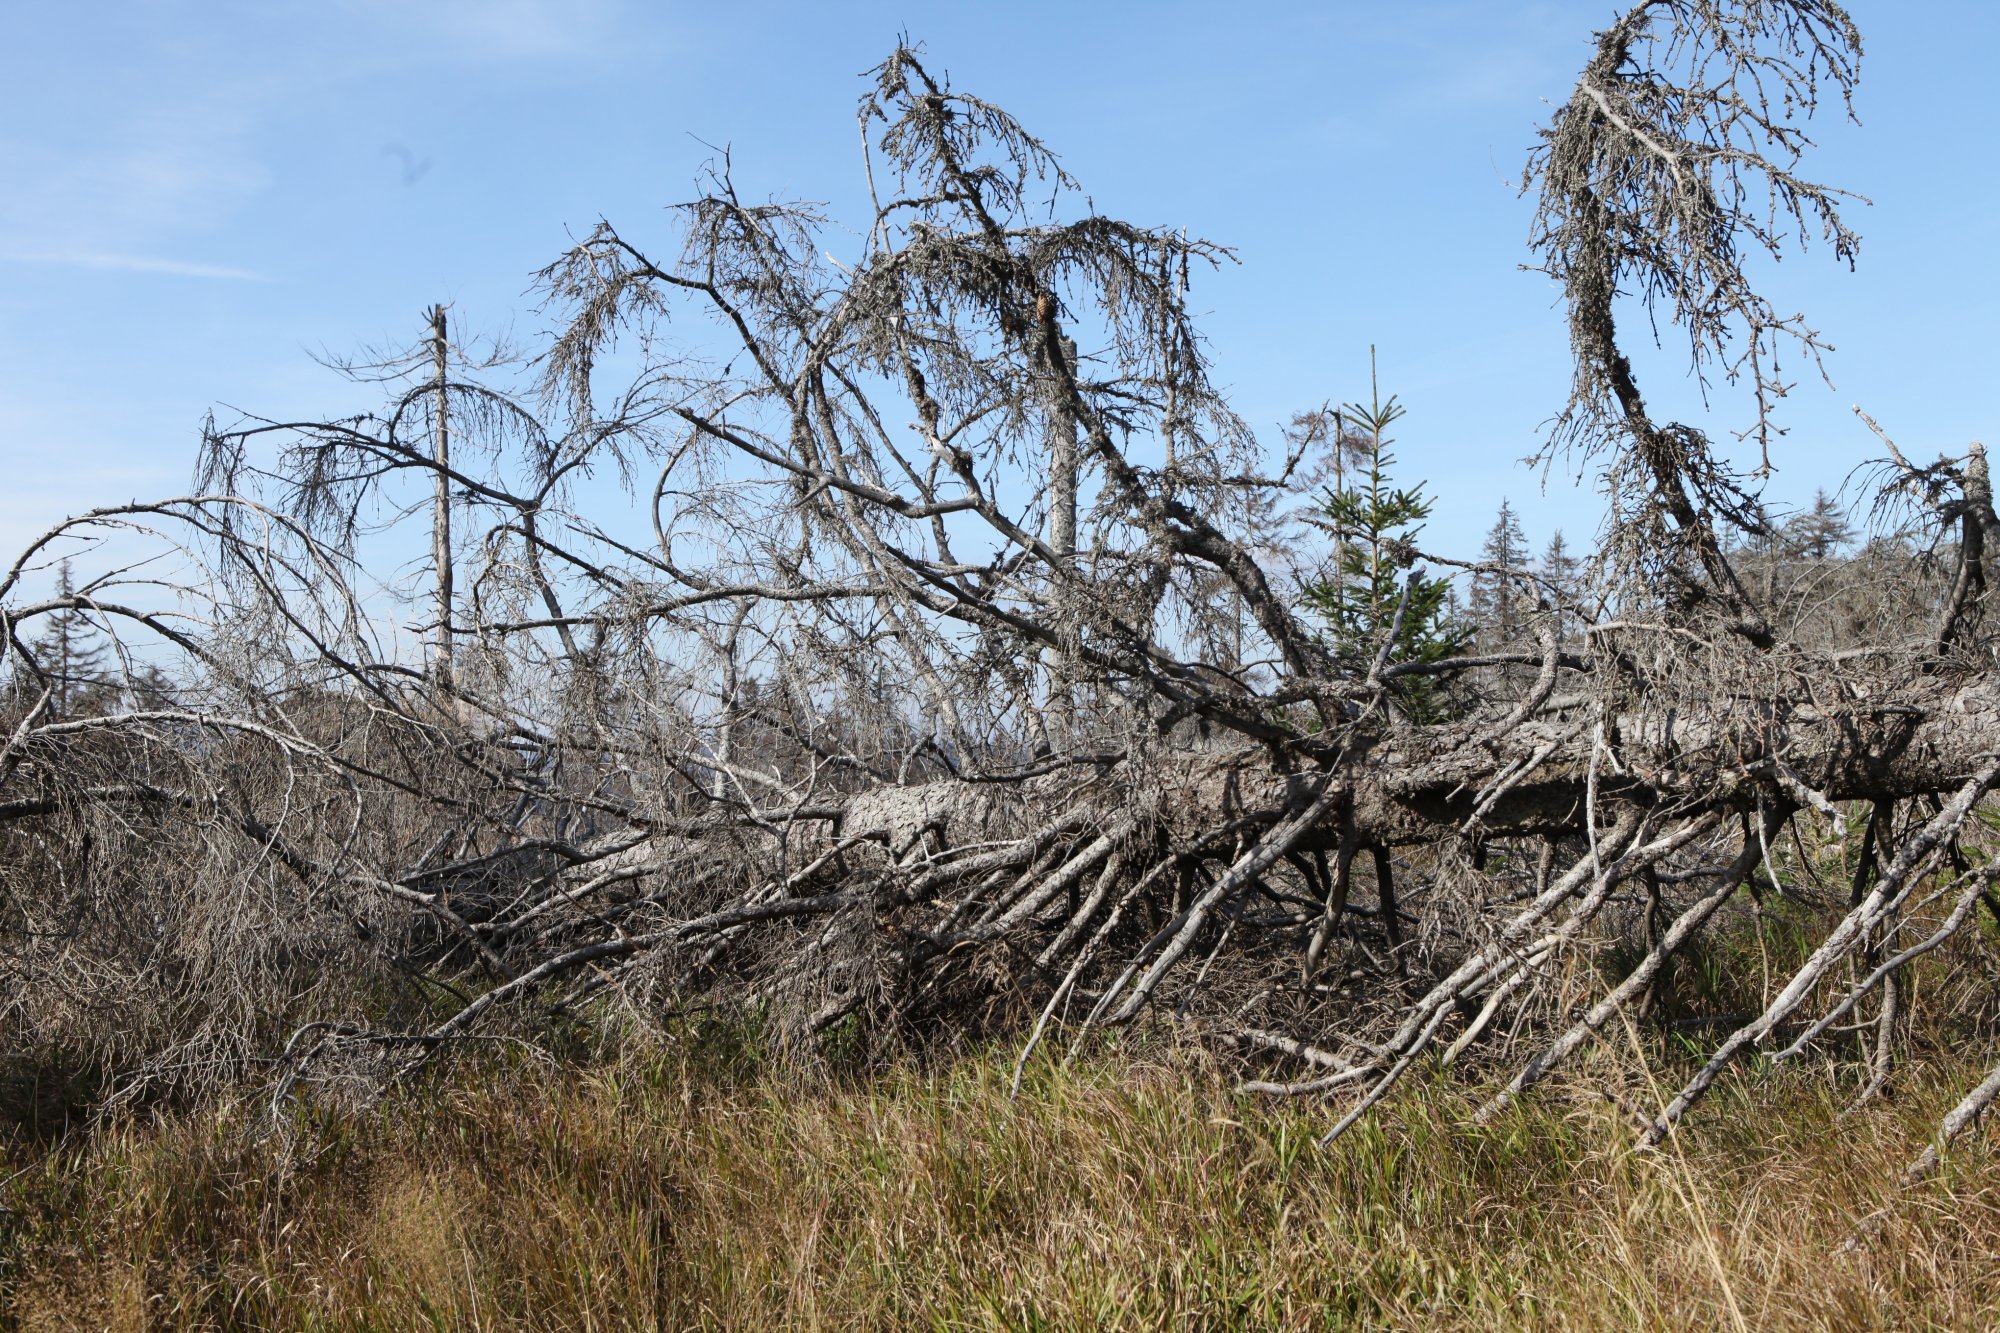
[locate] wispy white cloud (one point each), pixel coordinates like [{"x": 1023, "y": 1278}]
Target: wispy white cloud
[
  {"x": 165, "y": 131},
  {"x": 489, "y": 32},
  {"x": 122, "y": 177},
  {"x": 123, "y": 263}
]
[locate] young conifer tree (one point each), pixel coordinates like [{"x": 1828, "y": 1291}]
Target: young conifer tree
[
  {"x": 1497, "y": 592},
  {"x": 1374, "y": 574},
  {"x": 1820, "y": 532},
  {"x": 1563, "y": 573},
  {"x": 70, "y": 657}
]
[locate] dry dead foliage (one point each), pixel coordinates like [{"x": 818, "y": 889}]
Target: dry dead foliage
[{"x": 948, "y": 672}]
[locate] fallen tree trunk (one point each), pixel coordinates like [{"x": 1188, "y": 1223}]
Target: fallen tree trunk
[{"x": 844, "y": 735}]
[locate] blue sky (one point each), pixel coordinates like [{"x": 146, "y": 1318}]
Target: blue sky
[{"x": 199, "y": 195}]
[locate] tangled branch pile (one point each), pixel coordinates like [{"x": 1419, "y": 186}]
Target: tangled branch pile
[{"x": 952, "y": 672}]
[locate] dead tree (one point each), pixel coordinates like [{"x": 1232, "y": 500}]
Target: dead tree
[{"x": 782, "y": 742}]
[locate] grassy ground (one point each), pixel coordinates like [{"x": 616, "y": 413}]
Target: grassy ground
[{"x": 683, "y": 1191}]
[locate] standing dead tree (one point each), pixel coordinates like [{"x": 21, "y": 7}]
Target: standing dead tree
[{"x": 889, "y": 705}]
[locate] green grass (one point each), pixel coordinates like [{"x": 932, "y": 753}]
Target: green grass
[{"x": 677, "y": 1190}]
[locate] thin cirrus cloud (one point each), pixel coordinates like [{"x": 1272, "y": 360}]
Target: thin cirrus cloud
[
  {"x": 480, "y": 32},
  {"x": 129, "y": 192},
  {"x": 126, "y": 263},
  {"x": 134, "y": 160}
]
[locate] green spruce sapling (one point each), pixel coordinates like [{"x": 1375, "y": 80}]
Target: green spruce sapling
[{"x": 1375, "y": 524}]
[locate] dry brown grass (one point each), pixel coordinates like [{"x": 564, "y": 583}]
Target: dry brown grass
[{"x": 663, "y": 1193}]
